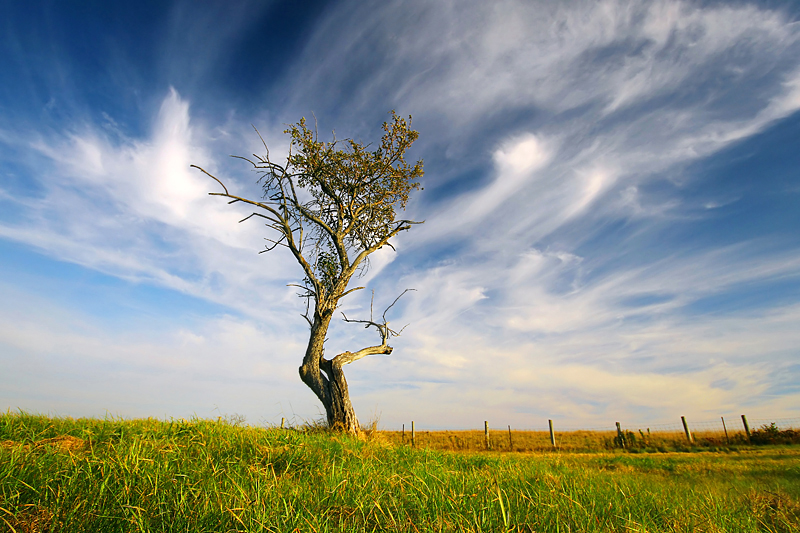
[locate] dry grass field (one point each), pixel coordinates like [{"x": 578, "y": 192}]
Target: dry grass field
[{"x": 569, "y": 441}]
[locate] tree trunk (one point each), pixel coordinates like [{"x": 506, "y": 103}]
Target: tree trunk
[
  {"x": 326, "y": 378},
  {"x": 341, "y": 414}
]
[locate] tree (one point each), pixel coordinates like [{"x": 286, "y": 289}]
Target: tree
[{"x": 332, "y": 204}]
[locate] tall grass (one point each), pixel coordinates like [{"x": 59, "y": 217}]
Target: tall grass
[
  {"x": 194, "y": 476},
  {"x": 591, "y": 441}
]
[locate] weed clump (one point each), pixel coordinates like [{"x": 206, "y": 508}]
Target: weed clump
[{"x": 772, "y": 434}]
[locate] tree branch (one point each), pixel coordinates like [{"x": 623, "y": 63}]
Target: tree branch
[
  {"x": 383, "y": 328},
  {"x": 346, "y": 358},
  {"x": 210, "y": 176},
  {"x": 392, "y": 305},
  {"x": 351, "y": 290}
]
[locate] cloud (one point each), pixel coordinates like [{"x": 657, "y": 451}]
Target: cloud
[
  {"x": 551, "y": 284},
  {"x": 521, "y": 156},
  {"x": 516, "y": 163},
  {"x": 135, "y": 209},
  {"x": 149, "y": 367},
  {"x": 622, "y": 95},
  {"x": 619, "y": 345},
  {"x": 150, "y": 179},
  {"x": 467, "y": 62},
  {"x": 613, "y": 99}
]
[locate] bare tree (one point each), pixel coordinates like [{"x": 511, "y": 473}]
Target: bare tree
[{"x": 332, "y": 204}]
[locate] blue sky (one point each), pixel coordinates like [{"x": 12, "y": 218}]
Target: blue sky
[{"x": 611, "y": 197}]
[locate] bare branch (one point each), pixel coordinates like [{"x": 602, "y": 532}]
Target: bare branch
[
  {"x": 256, "y": 215},
  {"x": 371, "y": 304},
  {"x": 246, "y": 159},
  {"x": 266, "y": 149},
  {"x": 351, "y": 290},
  {"x": 383, "y": 328},
  {"x": 275, "y": 244},
  {"x": 394, "y": 302},
  {"x": 367, "y": 322},
  {"x": 210, "y": 176},
  {"x": 305, "y": 288}
]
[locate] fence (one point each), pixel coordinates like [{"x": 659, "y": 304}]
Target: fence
[
  {"x": 727, "y": 431},
  {"x": 655, "y": 437}
]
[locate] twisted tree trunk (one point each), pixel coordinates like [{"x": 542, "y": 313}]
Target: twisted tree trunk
[{"x": 326, "y": 376}]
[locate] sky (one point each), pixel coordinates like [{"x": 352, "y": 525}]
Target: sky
[{"x": 611, "y": 204}]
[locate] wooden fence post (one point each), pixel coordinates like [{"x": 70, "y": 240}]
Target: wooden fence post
[
  {"x": 413, "y": 436},
  {"x": 746, "y": 427},
  {"x": 686, "y": 429},
  {"x": 725, "y": 429},
  {"x": 552, "y": 435},
  {"x": 283, "y": 420},
  {"x": 620, "y": 436},
  {"x": 486, "y": 433},
  {"x": 404, "y": 433},
  {"x": 510, "y": 447}
]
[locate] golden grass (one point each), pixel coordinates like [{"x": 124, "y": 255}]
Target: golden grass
[
  {"x": 31, "y": 519},
  {"x": 539, "y": 441},
  {"x": 520, "y": 441},
  {"x": 64, "y": 443}
]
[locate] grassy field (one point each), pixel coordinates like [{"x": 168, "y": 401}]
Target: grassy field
[
  {"x": 63, "y": 475},
  {"x": 571, "y": 441}
]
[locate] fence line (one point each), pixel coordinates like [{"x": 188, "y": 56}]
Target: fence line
[
  {"x": 781, "y": 423},
  {"x": 733, "y": 425},
  {"x": 623, "y": 434}
]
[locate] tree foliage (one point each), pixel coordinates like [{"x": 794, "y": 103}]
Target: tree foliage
[{"x": 334, "y": 203}]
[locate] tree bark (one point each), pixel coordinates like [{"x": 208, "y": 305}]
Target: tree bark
[
  {"x": 341, "y": 415},
  {"x": 326, "y": 376},
  {"x": 310, "y": 369}
]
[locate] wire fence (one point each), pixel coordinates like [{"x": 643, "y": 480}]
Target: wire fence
[
  {"x": 723, "y": 426},
  {"x": 781, "y": 423},
  {"x": 720, "y": 427},
  {"x": 655, "y": 437}
]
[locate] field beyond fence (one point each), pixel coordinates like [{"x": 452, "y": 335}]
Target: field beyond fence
[{"x": 656, "y": 438}]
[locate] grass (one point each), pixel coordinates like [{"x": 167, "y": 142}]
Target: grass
[
  {"x": 63, "y": 475},
  {"x": 571, "y": 441},
  {"x": 593, "y": 441}
]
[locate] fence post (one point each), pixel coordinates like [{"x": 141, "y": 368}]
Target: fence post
[
  {"x": 510, "y": 447},
  {"x": 620, "y": 436},
  {"x": 404, "y": 433},
  {"x": 725, "y": 429},
  {"x": 413, "y": 436},
  {"x": 283, "y": 420},
  {"x": 686, "y": 429},
  {"x": 552, "y": 435},
  {"x": 746, "y": 427},
  {"x": 486, "y": 433}
]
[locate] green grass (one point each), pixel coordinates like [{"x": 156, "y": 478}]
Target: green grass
[{"x": 146, "y": 475}]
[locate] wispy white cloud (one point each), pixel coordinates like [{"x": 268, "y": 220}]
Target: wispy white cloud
[
  {"x": 702, "y": 77},
  {"x": 516, "y": 164},
  {"x": 136, "y": 209},
  {"x": 466, "y": 62}
]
